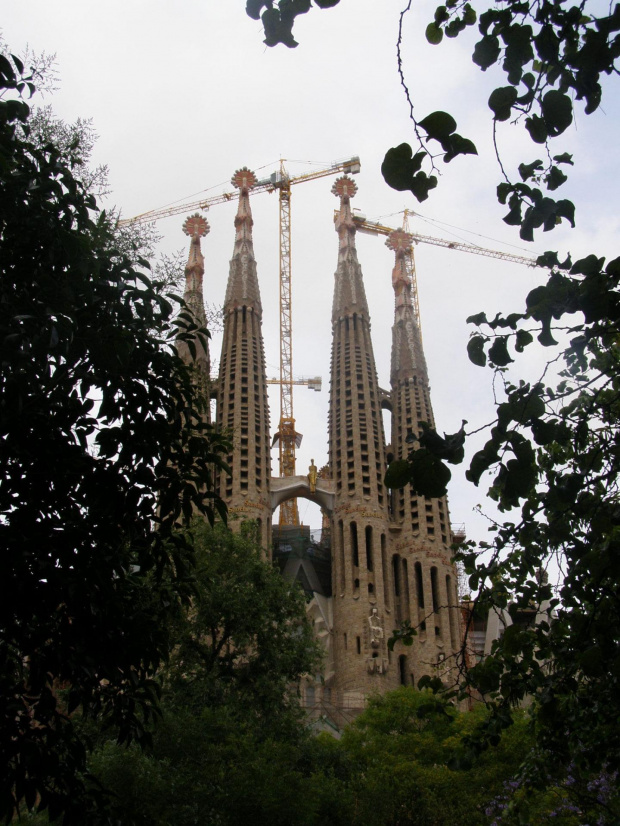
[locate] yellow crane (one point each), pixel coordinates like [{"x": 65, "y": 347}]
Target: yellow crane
[
  {"x": 287, "y": 438},
  {"x": 377, "y": 228}
]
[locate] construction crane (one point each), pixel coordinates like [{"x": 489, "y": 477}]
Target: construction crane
[
  {"x": 376, "y": 228},
  {"x": 286, "y": 437}
]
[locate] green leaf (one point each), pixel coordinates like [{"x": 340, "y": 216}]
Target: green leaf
[
  {"x": 455, "y": 27},
  {"x": 253, "y": 8},
  {"x": 429, "y": 475},
  {"x": 555, "y": 178},
  {"x": 475, "y": 350},
  {"x": 482, "y": 461},
  {"x": 441, "y": 14},
  {"x": 513, "y": 218},
  {"x": 438, "y": 125},
  {"x": 590, "y": 265},
  {"x": 434, "y": 34},
  {"x": 458, "y": 145},
  {"x": 486, "y": 52},
  {"x": 557, "y": 110},
  {"x": 400, "y": 166},
  {"x": 469, "y": 15},
  {"x": 523, "y": 339},
  {"x": 422, "y": 184},
  {"x": 547, "y": 44},
  {"x": 537, "y": 128},
  {"x": 566, "y": 209},
  {"x": 548, "y": 259},
  {"x": 498, "y": 352},
  {"x": 501, "y": 101},
  {"x": 398, "y": 474},
  {"x": 527, "y": 171},
  {"x": 613, "y": 268},
  {"x": 448, "y": 447}
]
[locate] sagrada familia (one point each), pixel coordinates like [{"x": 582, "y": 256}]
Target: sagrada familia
[{"x": 387, "y": 559}]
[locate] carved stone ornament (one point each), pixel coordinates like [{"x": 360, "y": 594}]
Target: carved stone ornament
[
  {"x": 344, "y": 187},
  {"x": 196, "y": 226},
  {"x": 243, "y": 179},
  {"x": 399, "y": 241}
]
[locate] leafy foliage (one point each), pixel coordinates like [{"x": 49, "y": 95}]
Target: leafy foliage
[
  {"x": 219, "y": 764},
  {"x": 552, "y": 54},
  {"x": 279, "y": 17},
  {"x": 104, "y": 450},
  {"x": 246, "y": 633},
  {"x": 425, "y": 468},
  {"x": 230, "y": 747},
  {"x": 552, "y": 456}
]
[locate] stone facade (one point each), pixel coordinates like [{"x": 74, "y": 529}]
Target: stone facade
[{"x": 390, "y": 551}]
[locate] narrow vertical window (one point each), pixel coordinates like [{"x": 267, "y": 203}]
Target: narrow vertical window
[
  {"x": 402, "y": 669},
  {"x": 354, "y": 548},
  {"x": 405, "y": 589},
  {"x": 341, "y": 555},
  {"x": 434, "y": 590},
  {"x": 368, "y": 534},
  {"x": 396, "y": 574},
  {"x": 419, "y": 584},
  {"x": 384, "y": 571}
]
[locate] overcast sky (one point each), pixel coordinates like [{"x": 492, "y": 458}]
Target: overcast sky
[{"x": 183, "y": 94}]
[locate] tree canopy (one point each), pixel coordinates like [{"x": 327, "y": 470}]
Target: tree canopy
[
  {"x": 229, "y": 747},
  {"x": 105, "y": 450}
]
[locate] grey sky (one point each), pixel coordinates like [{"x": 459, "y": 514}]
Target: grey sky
[{"x": 183, "y": 94}]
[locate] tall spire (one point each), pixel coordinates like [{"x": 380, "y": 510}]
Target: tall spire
[
  {"x": 349, "y": 293},
  {"x": 242, "y": 388},
  {"x": 407, "y": 353},
  {"x": 197, "y": 227},
  {"x": 242, "y": 290},
  {"x": 424, "y": 589},
  {"x": 357, "y": 464}
]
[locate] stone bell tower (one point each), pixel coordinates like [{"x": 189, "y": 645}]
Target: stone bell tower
[
  {"x": 390, "y": 549},
  {"x": 424, "y": 581},
  {"x": 196, "y": 227},
  {"x": 357, "y": 460},
  {"x": 242, "y": 388}
]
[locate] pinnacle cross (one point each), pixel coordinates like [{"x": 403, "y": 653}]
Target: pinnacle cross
[
  {"x": 197, "y": 227},
  {"x": 401, "y": 243},
  {"x": 345, "y": 188},
  {"x": 244, "y": 180}
]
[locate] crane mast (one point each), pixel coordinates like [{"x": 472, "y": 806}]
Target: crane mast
[{"x": 287, "y": 437}]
